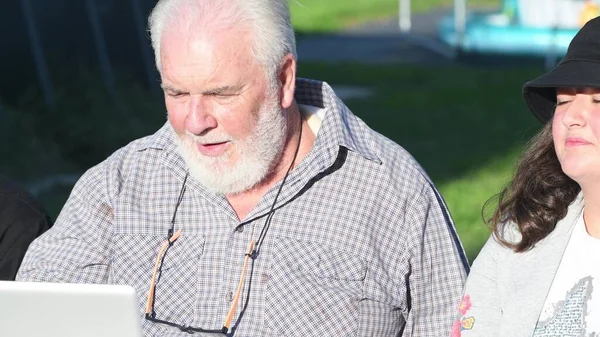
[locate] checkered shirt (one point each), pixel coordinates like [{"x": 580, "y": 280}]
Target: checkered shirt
[{"x": 360, "y": 244}]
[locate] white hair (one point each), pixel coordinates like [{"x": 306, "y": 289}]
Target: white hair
[{"x": 268, "y": 20}]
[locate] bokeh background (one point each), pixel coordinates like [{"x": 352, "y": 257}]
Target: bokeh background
[{"x": 77, "y": 81}]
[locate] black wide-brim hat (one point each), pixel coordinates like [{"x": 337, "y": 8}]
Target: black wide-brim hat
[{"x": 579, "y": 68}]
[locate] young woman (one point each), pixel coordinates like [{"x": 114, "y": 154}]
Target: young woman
[{"x": 539, "y": 273}]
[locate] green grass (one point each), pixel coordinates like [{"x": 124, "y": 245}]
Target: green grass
[
  {"x": 419, "y": 6},
  {"x": 332, "y": 15},
  {"x": 466, "y": 195},
  {"x": 466, "y": 126}
]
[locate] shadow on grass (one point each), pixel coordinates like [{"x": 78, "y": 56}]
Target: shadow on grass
[{"x": 465, "y": 123}]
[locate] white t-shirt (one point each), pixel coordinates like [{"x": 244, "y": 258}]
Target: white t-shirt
[
  {"x": 572, "y": 308},
  {"x": 313, "y": 115}
]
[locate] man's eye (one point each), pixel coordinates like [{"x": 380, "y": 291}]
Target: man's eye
[
  {"x": 175, "y": 94},
  {"x": 223, "y": 97}
]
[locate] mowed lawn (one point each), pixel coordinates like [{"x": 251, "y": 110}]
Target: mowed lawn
[
  {"x": 466, "y": 126},
  {"x": 331, "y": 15}
]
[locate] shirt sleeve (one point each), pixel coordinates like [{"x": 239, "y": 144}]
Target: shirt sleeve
[
  {"x": 479, "y": 309},
  {"x": 76, "y": 248},
  {"x": 438, "y": 267}
]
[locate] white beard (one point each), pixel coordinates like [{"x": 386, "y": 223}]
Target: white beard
[{"x": 257, "y": 154}]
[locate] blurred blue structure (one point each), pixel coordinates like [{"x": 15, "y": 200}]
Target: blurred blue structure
[{"x": 510, "y": 31}]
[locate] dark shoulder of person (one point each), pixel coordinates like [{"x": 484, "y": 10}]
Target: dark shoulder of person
[{"x": 22, "y": 220}]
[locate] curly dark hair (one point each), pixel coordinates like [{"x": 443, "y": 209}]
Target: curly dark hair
[{"x": 537, "y": 197}]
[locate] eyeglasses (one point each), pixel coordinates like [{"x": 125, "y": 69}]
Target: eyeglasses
[{"x": 151, "y": 314}]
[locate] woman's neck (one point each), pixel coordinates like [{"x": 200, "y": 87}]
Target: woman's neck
[{"x": 591, "y": 214}]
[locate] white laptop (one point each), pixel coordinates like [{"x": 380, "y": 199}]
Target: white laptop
[{"x": 29, "y": 309}]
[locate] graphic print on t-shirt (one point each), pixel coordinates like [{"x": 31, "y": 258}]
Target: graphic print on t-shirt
[
  {"x": 569, "y": 315},
  {"x": 572, "y": 306}
]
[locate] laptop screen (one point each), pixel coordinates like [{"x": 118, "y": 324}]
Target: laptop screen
[{"x": 29, "y": 309}]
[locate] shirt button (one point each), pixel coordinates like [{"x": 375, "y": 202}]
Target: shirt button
[
  {"x": 229, "y": 296},
  {"x": 240, "y": 229}
]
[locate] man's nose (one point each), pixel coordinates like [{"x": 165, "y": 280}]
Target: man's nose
[{"x": 200, "y": 118}]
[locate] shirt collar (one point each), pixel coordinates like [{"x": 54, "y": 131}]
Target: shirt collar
[
  {"x": 340, "y": 126},
  {"x": 160, "y": 140}
]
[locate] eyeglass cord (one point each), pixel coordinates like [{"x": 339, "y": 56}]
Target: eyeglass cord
[
  {"x": 267, "y": 224},
  {"x": 253, "y": 255},
  {"x": 179, "y": 199}
]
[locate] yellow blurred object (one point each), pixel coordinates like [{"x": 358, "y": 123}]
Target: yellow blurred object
[{"x": 590, "y": 11}]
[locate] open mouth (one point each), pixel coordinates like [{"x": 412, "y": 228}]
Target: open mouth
[
  {"x": 214, "y": 144},
  {"x": 213, "y": 149}
]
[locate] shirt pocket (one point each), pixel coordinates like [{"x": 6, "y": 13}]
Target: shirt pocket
[
  {"x": 133, "y": 259},
  {"x": 313, "y": 290}
]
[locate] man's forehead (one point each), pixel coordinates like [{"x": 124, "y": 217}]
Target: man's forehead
[
  {"x": 202, "y": 59},
  {"x": 201, "y": 65}
]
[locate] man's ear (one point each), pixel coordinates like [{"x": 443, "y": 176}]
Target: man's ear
[{"x": 287, "y": 79}]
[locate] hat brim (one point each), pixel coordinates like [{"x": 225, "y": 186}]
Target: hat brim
[{"x": 540, "y": 94}]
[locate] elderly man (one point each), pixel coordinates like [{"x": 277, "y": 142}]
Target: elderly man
[{"x": 263, "y": 207}]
